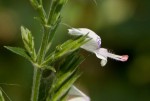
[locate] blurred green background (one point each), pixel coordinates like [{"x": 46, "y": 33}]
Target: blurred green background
[{"x": 124, "y": 27}]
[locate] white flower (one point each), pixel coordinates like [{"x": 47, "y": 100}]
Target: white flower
[
  {"x": 94, "y": 45},
  {"x": 79, "y": 95},
  {"x": 77, "y": 99}
]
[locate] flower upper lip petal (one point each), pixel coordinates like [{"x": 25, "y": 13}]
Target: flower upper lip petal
[{"x": 95, "y": 41}]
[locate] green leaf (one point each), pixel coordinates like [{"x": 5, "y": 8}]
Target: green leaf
[
  {"x": 18, "y": 51},
  {"x": 56, "y": 8},
  {"x": 67, "y": 85},
  {"x": 66, "y": 75},
  {"x": 65, "y": 96},
  {"x": 34, "y": 3},
  {"x": 50, "y": 68},
  {"x": 1, "y": 96},
  {"x": 66, "y": 48},
  {"x": 67, "y": 71}
]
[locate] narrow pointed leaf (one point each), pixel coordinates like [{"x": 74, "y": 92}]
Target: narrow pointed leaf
[
  {"x": 18, "y": 51},
  {"x": 65, "y": 87},
  {"x": 66, "y": 48},
  {"x": 66, "y": 74},
  {"x": 50, "y": 68},
  {"x": 1, "y": 96}
]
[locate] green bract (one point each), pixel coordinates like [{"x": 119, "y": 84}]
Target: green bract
[{"x": 28, "y": 41}]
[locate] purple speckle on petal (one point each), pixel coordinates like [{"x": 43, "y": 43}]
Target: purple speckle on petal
[{"x": 99, "y": 42}]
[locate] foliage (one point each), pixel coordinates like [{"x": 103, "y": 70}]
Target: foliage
[{"x": 62, "y": 76}]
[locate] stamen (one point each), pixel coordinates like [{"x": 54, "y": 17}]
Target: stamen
[
  {"x": 122, "y": 58},
  {"x": 125, "y": 57}
]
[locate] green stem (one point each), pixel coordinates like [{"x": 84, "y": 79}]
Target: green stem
[
  {"x": 44, "y": 43},
  {"x": 36, "y": 83},
  {"x": 37, "y": 71}
]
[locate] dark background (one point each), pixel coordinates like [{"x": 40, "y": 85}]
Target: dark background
[{"x": 124, "y": 27}]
